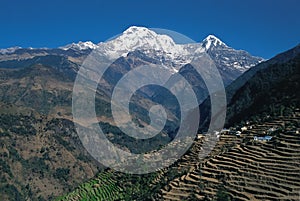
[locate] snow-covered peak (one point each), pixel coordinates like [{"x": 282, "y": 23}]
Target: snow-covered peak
[
  {"x": 80, "y": 46},
  {"x": 211, "y": 41},
  {"x": 141, "y": 38},
  {"x": 151, "y": 43}
]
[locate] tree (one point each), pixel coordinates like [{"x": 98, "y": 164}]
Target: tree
[{"x": 222, "y": 195}]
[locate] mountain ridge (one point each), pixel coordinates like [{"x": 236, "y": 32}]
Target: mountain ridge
[
  {"x": 257, "y": 83},
  {"x": 230, "y": 62}
]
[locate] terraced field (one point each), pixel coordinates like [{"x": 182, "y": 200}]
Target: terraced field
[
  {"x": 243, "y": 168},
  {"x": 110, "y": 185},
  {"x": 246, "y": 169},
  {"x": 104, "y": 187}
]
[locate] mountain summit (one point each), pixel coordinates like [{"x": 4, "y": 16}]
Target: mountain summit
[
  {"x": 141, "y": 38},
  {"x": 212, "y": 41}
]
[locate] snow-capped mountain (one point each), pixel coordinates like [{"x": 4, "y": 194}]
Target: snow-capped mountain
[
  {"x": 80, "y": 46},
  {"x": 141, "y": 38},
  {"x": 159, "y": 47},
  {"x": 163, "y": 48},
  {"x": 230, "y": 62},
  {"x": 212, "y": 41}
]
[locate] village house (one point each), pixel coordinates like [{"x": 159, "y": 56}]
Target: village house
[
  {"x": 264, "y": 138},
  {"x": 244, "y": 128}
]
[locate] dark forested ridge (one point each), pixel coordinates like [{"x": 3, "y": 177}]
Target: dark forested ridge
[{"x": 270, "y": 87}]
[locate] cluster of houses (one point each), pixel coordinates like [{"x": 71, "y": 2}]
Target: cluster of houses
[
  {"x": 239, "y": 131},
  {"x": 264, "y": 132},
  {"x": 265, "y": 136}
]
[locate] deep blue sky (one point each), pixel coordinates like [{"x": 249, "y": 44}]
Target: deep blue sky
[{"x": 261, "y": 27}]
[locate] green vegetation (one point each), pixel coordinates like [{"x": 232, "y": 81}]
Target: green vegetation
[
  {"x": 18, "y": 124},
  {"x": 10, "y": 192},
  {"x": 103, "y": 187},
  {"x": 4, "y": 168}
]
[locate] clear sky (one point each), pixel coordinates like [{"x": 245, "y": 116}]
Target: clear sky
[{"x": 261, "y": 27}]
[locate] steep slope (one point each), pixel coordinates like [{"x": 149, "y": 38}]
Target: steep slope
[
  {"x": 267, "y": 87},
  {"x": 41, "y": 156},
  {"x": 40, "y": 153},
  {"x": 241, "y": 168},
  {"x": 238, "y": 168},
  {"x": 271, "y": 90}
]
